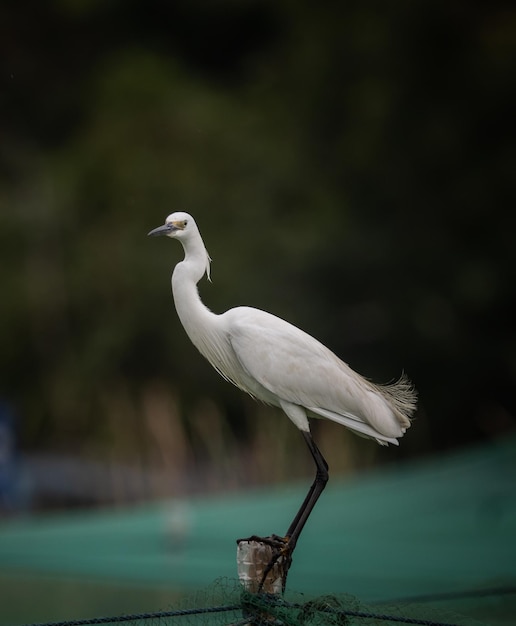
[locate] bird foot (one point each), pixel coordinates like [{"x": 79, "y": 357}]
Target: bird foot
[{"x": 274, "y": 541}]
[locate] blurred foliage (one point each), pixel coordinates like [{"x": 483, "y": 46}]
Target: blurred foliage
[{"x": 349, "y": 166}]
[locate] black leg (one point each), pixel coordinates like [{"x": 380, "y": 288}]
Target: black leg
[
  {"x": 321, "y": 478},
  {"x": 284, "y": 546}
]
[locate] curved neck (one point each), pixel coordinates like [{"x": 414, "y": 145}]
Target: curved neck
[{"x": 193, "y": 314}]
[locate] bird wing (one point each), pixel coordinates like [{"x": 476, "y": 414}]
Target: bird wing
[{"x": 294, "y": 367}]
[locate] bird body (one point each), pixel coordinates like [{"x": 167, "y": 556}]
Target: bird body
[{"x": 278, "y": 363}]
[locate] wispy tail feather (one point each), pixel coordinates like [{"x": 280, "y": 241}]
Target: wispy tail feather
[
  {"x": 402, "y": 397},
  {"x": 389, "y": 408}
]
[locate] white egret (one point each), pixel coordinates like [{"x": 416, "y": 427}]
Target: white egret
[{"x": 281, "y": 365}]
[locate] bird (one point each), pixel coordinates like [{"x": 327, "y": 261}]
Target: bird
[{"x": 281, "y": 365}]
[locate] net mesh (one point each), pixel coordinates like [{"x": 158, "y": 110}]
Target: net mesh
[
  {"x": 226, "y": 603},
  {"x": 239, "y": 607}
]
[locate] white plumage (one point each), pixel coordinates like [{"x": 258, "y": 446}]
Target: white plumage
[
  {"x": 276, "y": 362},
  {"x": 281, "y": 365}
]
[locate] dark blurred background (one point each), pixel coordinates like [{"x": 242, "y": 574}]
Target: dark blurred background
[{"x": 351, "y": 169}]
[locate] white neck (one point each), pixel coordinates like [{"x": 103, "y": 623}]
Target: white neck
[{"x": 194, "y": 315}]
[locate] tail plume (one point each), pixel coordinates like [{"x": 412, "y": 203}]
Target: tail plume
[{"x": 402, "y": 396}]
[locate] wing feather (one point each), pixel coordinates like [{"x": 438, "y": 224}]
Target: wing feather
[{"x": 294, "y": 367}]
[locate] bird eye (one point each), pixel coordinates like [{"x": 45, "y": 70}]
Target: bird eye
[{"x": 185, "y": 222}]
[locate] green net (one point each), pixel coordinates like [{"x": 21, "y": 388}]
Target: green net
[{"x": 226, "y": 604}]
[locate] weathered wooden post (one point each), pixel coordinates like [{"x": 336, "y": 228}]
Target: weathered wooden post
[{"x": 263, "y": 565}]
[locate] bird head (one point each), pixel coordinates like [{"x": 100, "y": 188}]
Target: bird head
[
  {"x": 176, "y": 225},
  {"x": 182, "y": 226}
]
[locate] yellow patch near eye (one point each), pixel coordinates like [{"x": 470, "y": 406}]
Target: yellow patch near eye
[{"x": 179, "y": 224}]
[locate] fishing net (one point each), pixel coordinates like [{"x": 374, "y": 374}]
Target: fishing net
[{"x": 225, "y": 603}]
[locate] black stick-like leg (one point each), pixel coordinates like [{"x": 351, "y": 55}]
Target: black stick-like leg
[
  {"x": 284, "y": 546},
  {"x": 321, "y": 478}
]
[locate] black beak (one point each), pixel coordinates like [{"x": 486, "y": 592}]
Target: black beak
[{"x": 161, "y": 230}]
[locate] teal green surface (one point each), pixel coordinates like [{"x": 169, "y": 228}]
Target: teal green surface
[{"x": 444, "y": 525}]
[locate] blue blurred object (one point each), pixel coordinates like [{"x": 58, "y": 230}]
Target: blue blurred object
[{"x": 8, "y": 463}]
